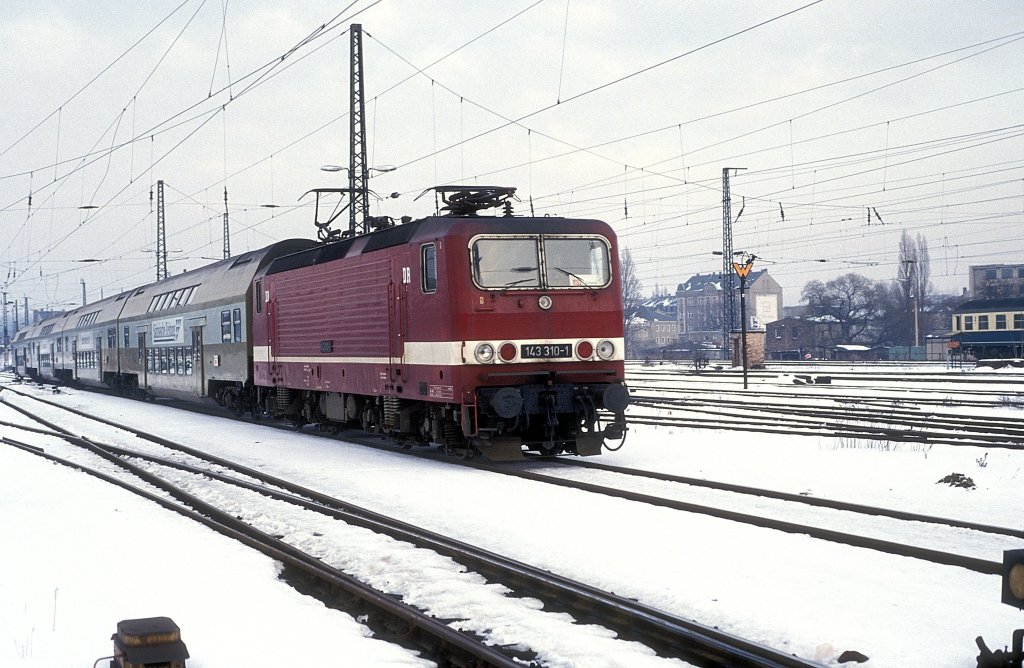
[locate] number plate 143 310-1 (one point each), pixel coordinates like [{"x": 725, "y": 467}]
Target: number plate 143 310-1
[{"x": 545, "y": 350}]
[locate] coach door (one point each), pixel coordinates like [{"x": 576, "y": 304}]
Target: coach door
[
  {"x": 144, "y": 360},
  {"x": 197, "y": 366},
  {"x": 74, "y": 357}
]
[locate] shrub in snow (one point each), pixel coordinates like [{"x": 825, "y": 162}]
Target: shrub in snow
[{"x": 958, "y": 480}]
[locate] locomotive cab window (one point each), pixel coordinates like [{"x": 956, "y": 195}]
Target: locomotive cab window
[
  {"x": 505, "y": 262},
  {"x": 576, "y": 262},
  {"x": 428, "y": 268},
  {"x": 540, "y": 261}
]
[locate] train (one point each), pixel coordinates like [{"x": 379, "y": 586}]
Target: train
[
  {"x": 499, "y": 335},
  {"x": 989, "y": 328}
]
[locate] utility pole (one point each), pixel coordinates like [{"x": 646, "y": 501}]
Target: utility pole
[
  {"x": 912, "y": 293},
  {"x": 227, "y": 235},
  {"x": 358, "y": 174},
  {"x": 161, "y": 234},
  {"x": 83, "y": 291},
  {"x": 728, "y": 286},
  {"x": 6, "y": 339}
]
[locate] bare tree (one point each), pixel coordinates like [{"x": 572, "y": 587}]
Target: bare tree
[
  {"x": 632, "y": 297},
  {"x": 850, "y": 302},
  {"x": 912, "y": 276}
]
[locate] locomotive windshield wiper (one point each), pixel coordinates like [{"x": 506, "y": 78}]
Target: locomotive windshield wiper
[
  {"x": 521, "y": 280},
  {"x": 572, "y": 275}
]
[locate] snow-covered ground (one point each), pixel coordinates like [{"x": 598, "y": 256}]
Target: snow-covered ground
[{"x": 76, "y": 562}]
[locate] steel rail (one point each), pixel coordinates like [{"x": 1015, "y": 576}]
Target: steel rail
[
  {"x": 786, "y": 496},
  {"x": 667, "y": 634},
  {"x": 456, "y": 647}
]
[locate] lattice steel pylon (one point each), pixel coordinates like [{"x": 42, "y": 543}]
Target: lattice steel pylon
[
  {"x": 227, "y": 229},
  {"x": 358, "y": 173},
  {"x": 728, "y": 289},
  {"x": 161, "y": 234}
]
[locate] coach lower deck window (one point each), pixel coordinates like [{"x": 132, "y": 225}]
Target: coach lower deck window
[
  {"x": 982, "y": 322},
  {"x": 225, "y": 326},
  {"x": 1018, "y": 320},
  {"x": 236, "y": 325},
  {"x": 1000, "y": 321}
]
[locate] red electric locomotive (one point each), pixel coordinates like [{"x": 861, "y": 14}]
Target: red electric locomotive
[{"x": 492, "y": 334}]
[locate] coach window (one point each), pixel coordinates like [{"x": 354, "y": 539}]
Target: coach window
[
  {"x": 1018, "y": 320},
  {"x": 1000, "y": 321},
  {"x": 957, "y": 325},
  {"x": 968, "y": 322},
  {"x": 982, "y": 322},
  {"x": 236, "y": 324},
  {"x": 225, "y": 326},
  {"x": 428, "y": 266}
]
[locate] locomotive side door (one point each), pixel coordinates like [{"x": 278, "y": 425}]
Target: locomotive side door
[{"x": 398, "y": 312}]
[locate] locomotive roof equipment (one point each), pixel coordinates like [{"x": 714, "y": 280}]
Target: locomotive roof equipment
[{"x": 468, "y": 200}]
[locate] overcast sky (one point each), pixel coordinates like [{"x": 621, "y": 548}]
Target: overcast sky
[{"x": 853, "y": 121}]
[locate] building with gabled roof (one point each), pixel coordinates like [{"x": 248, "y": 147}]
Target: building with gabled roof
[
  {"x": 699, "y": 306},
  {"x": 654, "y": 326}
]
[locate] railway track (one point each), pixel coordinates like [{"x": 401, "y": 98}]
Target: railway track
[
  {"x": 879, "y": 380},
  {"x": 972, "y": 563},
  {"x": 895, "y": 423},
  {"x": 666, "y": 634},
  {"x": 546, "y": 473},
  {"x": 887, "y": 396}
]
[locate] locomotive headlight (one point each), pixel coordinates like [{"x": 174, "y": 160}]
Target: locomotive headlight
[
  {"x": 605, "y": 349},
  {"x": 484, "y": 353},
  {"x": 544, "y": 302},
  {"x": 1013, "y": 578}
]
